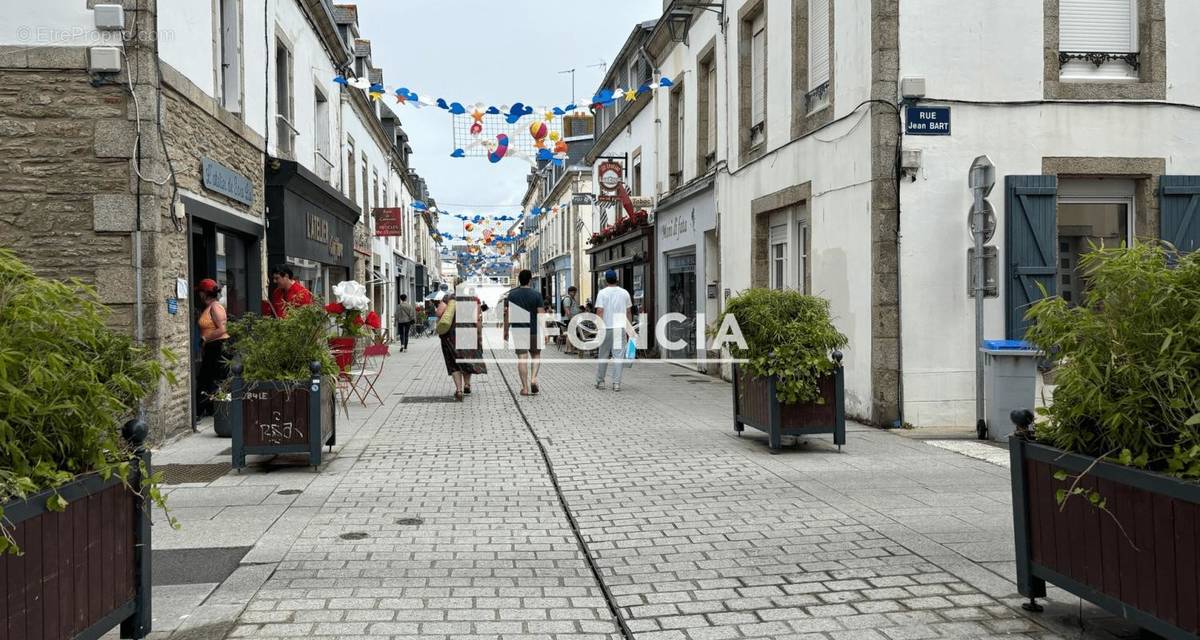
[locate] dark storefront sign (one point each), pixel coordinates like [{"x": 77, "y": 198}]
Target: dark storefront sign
[
  {"x": 220, "y": 178},
  {"x": 389, "y": 221},
  {"x": 307, "y": 218}
]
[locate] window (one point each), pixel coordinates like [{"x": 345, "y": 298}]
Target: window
[
  {"x": 321, "y": 134},
  {"x": 707, "y": 113},
  {"x": 803, "y": 250},
  {"x": 818, "y": 54},
  {"x": 676, "y": 137},
  {"x": 375, "y": 191},
  {"x": 758, "y": 78},
  {"x": 351, "y": 192},
  {"x": 635, "y": 188},
  {"x": 230, "y": 52},
  {"x": 286, "y": 132},
  {"x": 1098, "y": 39},
  {"x": 1084, "y": 223},
  {"x": 366, "y": 186},
  {"x": 779, "y": 263}
]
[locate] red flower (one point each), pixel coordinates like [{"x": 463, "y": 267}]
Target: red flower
[
  {"x": 373, "y": 320},
  {"x": 335, "y": 308},
  {"x": 358, "y": 321}
]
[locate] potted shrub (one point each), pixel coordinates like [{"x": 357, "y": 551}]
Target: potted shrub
[
  {"x": 282, "y": 385},
  {"x": 791, "y": 383},
  {"x": 75, "y": 485},
  {"x": 1105, "y": 497}
]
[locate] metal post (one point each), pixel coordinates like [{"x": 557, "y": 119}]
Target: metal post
[
  {"x": 980, "y": 178},
  {"x": 978, "y": 216},
  {"x": 138, "y": 625}
]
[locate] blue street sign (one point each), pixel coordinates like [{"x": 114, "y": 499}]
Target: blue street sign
[
  {"x": 172, "y": 306},
  {"x": 927, "y": 121}
]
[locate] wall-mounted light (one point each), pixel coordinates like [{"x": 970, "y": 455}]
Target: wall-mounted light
[{"x": 679, "y": 18}]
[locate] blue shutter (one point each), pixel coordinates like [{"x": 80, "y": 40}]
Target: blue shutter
[
  {"x": 1179, "y": 211},
  {"x": 1031, "y": 232}
]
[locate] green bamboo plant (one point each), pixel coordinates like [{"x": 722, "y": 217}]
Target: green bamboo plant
[
  {"x": 1127, "y": 360},
  {"x": 67, "y": 383}
]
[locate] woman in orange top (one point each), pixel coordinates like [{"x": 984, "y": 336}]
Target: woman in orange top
[{"x": 211, "y": 322}]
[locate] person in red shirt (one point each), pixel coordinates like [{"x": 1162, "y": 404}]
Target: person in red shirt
[{"x": 287, "y": 292}]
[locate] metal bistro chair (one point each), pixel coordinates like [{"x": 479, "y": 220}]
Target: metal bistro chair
[{"x": 362, "y": 381}]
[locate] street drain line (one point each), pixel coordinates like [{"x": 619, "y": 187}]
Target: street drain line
[{"x": 562, "y": 501}]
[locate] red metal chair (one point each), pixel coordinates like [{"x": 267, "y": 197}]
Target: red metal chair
[{"x": 362, "y": 382}]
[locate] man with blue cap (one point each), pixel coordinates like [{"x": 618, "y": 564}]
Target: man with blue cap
[{"x": 614, "y": 306}]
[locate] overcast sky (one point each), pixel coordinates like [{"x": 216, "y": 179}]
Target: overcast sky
[{"x": 494, "y": 52}]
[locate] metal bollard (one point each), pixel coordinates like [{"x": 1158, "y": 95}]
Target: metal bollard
[
  {"x": 137, "y": 625},
  {"x": 1023, "y": 420}
]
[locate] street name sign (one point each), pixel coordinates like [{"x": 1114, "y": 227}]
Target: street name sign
[{"x": 927, "y": 121}]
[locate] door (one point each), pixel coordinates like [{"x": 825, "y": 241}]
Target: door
[
  {"x": 1179, "y": 204},
  {"x": 681, "y": 298},
  {"x": 1030, "y": 235}
]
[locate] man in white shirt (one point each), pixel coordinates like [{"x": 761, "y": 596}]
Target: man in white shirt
[{"x": 614, "y": 307}]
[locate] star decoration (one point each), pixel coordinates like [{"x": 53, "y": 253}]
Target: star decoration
[
  {"x": 400, "y": 99},
  {"x": 549, "y": 116},
  {"x": 477, "y": 116},
  {"x": 631, "y": 95}
]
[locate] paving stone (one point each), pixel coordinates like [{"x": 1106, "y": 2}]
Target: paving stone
[{"x": 698, "y": 535}]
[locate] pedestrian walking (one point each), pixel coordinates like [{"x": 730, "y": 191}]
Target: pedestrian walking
[
  {"x": 287, "y": 292},
  {"x": 613, "y": 305},
  {"x": 568, "y": 308},
  {"x": 211, "y": 326},
  {"x": 431, "y": 314},
  {"x": 524, "y": 322},
  {"x": 406, "y": 315},
  {"x": 460, "y": 364}
]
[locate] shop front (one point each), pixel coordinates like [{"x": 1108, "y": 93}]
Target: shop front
[
  {"x": 631, "y": 255},
  {"x": 310, "y": 227},
  {"x": 405, "y": 273},
  {"x": 224, "y": 244},
  {"x": 687, "y": 267},
  {"x": 422, "y": 285},
  {"x": 557, "y": 278}
]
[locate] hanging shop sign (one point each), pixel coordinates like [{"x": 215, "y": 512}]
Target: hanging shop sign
[
  {"x": 389, "y": 221},
  {"x": 225, "y": 181},
  {"x": 610, "y": 174}
]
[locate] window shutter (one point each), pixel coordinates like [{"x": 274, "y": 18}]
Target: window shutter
[
  {"x": 1179, "y": 211},
  {"x": 758, "y": 70},
  {"x": 1031, "y": 229},
  {"x": 818, "y": 43},
  {"x": 1098, "y": 25}
]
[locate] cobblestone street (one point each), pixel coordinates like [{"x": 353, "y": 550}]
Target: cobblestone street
[{"x": 440, "y": 520}]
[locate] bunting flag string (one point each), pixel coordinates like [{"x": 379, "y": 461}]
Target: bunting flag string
[{"x": 515, "y": 140}]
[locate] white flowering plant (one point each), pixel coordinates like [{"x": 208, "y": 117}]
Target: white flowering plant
[{"x": 350, "y": 312}]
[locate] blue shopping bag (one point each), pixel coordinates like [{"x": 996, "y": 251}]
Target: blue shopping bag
[{"x": 631, "y": 351}]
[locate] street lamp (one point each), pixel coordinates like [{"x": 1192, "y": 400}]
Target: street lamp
[{"x": 679, "y": 19}]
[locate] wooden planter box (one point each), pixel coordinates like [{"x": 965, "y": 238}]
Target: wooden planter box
[
  {"x": 83, "y": 571},
  {"x": 1151, "y": 577},
  {"x": 272, "y": 418},
  {"x": 756, "y": 404}
]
